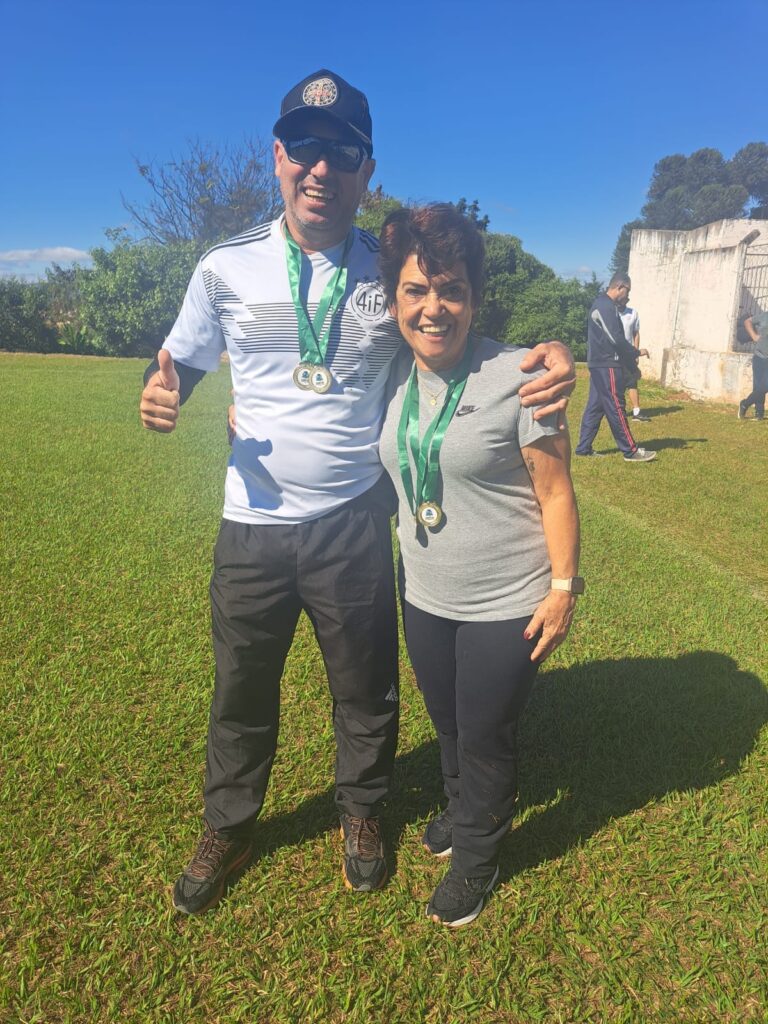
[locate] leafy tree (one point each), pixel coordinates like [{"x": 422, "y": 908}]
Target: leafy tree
[
  {"x": 667, "y": 174},
  {"x": 131, "y": 296},
  {"x": 472, "y": 211},
  {"x": 509, "y": 270},
  {"x": 704, "y": 167},
  {"x": 209, "y": 194},
  {"x": 715, "y": 202},
  {"x": 24, "y": 323},
  {"x": 620, "y": 259},
  {"x": 686, "y": 192},
  {"x": 689, "y": 191},
  {"x": 550, "y": 307},
  {"x": 375, "y": 207},
  {"x": 749, "y": 167},
  {"x": 62, "y": 293}
]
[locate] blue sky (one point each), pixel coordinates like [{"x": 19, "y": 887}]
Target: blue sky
[{"x": 552, "y": 114}]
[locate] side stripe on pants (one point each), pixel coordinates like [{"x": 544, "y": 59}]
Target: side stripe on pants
[
  {"x": 620, "y": 413},
  {"x": 606, "y": 398}
]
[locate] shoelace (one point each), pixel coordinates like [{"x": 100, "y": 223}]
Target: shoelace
[
  {"x": 365, "y": 835},
  {"x": 209, "y": 853}
]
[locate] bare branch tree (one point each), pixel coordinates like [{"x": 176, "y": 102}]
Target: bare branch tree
[{"x": 210, "y": 194}]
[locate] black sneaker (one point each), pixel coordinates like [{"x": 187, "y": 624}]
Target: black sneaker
[
  {"x": 365, "y": 867},
  {"x": 596, "y": 455},
  {"x": 741, "y": 412},
  {"x": 458, "y": 900},
  {"x": 438, "y": 835},
  {"x": 639, "y": 418},
  {"x": 217, "y": 864}
]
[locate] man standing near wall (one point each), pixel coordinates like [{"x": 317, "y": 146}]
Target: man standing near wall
[
  {"x": 630, "y": 321},
  {"x": 607, "y": 349},
  {"x": 756, "y": 327}
]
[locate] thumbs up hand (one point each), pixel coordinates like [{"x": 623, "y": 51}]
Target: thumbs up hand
[
  {"x": 169, "y": 379},
  {"x": 159, "y": 406}
]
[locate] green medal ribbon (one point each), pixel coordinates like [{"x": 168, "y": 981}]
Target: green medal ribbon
[
  {"x": 426, "y": 455},
  {"x": 312, "y": 344}
]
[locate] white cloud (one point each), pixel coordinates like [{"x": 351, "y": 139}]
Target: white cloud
[
  {"x": 31, "y": 264},
  {"x": 581, "y": 273},
  {"x": 54, "y": 253}
]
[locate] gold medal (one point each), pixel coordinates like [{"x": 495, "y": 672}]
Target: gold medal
[
  {"x": 429, "y": 514},
  {"x": 302, "y": 376},
  {"x": 320, "y": 379}
]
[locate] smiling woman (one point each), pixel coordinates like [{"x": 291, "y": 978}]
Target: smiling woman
[
  {"x": 434, "y": 314},
  {"x": 489, "y": 537}
]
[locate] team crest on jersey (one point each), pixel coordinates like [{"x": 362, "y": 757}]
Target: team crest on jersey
[
  {"x": 368, "y": 302},
  {"x": 320, "y": 93}
]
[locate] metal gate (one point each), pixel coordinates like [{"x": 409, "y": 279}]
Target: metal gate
[
  {"x": 754, "y": 282},
  {"x": 753, "y": 295}
]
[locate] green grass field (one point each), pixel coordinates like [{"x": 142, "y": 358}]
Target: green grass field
[{"x": 634, "y": 882}]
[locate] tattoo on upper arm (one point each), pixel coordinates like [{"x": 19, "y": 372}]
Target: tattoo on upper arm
[{"x": 531, "y": 464}]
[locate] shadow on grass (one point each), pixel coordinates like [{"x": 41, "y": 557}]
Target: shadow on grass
[
  {"x": 597, "y": 741},
  {"x": 610, "y": 736},
  {"x": 655, "y": 411},
  {"x": 658, "y": 444}
]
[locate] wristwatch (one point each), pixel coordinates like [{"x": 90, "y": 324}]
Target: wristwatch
[{"x": 573, "y": 585}]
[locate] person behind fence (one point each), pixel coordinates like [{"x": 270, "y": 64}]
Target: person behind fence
[
  {"x": 607, "y": 348},
  {"x": 756, "y": 327},
  {"x": 489, "y": 537},
  {"x": 298, "y": 306}
]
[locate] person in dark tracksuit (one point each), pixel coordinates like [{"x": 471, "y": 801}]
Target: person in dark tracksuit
[{"x": 607, "y": 351}]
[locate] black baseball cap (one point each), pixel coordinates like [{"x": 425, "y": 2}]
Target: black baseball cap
[{"x": 326, "y": 93}]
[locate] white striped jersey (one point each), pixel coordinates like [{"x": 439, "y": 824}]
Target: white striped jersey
[{"x": 297, "y": 454}]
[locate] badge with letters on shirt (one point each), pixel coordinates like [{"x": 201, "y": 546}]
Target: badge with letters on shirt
[{"x": 367, "y": 302}]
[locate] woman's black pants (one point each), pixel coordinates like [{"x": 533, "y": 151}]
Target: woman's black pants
[{"x": 476, "y": 678}]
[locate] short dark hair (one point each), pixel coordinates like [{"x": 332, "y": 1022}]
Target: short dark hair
[
  {"x": 619, "y": 279},
  {"x": 439, "y": 236}
]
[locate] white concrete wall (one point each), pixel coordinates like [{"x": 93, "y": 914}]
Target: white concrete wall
[
  {"x": 710, "y": 281},
  {"x": 654, "y": 266},
  {"x": 719, "y": 376},
  {"x": 686, "y": 286}
]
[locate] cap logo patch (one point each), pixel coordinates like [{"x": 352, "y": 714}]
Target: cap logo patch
[{"x": 320, "y": 93}]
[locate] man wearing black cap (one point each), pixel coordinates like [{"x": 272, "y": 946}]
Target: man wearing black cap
[{"x": 298, "y": 306}]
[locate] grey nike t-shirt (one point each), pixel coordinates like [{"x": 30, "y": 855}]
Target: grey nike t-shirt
[{"x": 488, "y": 557}]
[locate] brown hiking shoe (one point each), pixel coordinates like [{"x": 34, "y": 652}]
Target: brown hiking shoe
[
  {"x": 217, "y": 864},
  {"x": 364, "y": 867}
]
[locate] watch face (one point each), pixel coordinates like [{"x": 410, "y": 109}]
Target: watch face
[{"x": 577, "y": 585}]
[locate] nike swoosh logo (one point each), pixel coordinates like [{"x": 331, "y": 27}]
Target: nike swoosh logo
[{"x": 465, "y": 410}]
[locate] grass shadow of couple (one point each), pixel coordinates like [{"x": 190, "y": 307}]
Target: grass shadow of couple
[{"x": 597, "y": 741}]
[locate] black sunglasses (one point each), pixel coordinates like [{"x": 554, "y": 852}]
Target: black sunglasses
[{"x": 342, "y": 156}]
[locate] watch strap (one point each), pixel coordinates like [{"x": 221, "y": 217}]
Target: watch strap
[{"x": 572, "y": 585}]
